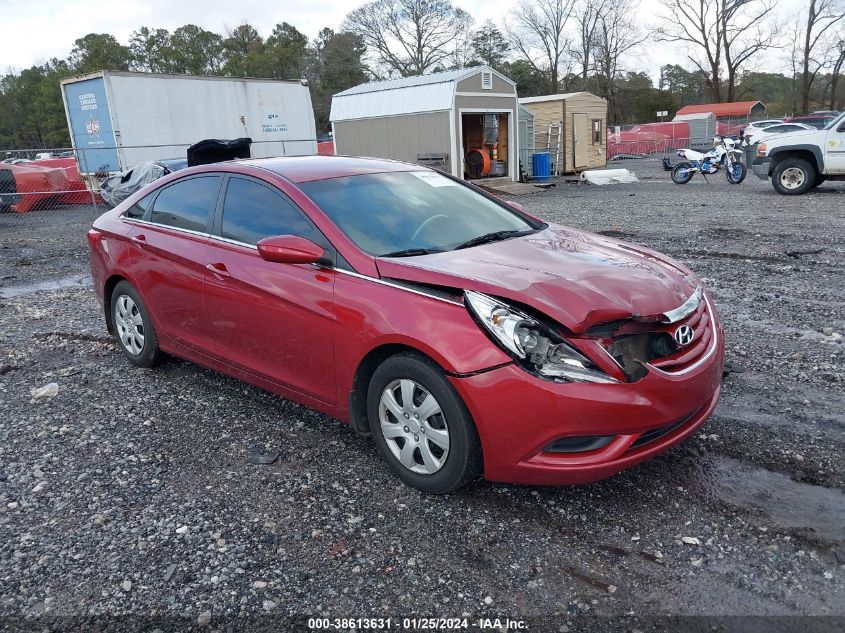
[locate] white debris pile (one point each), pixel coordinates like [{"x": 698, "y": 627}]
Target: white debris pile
[{"x": 608, "y": 176}]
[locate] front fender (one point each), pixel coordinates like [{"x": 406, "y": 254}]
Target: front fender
[
  {"x": 371, "y": 313},
  {"x": 815, "y": 150}
]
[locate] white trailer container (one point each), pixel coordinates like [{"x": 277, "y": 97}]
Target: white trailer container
[{"x": 119, "y": 119}]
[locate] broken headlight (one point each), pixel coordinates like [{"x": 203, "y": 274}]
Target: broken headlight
[{"x": 535, "y": 346}]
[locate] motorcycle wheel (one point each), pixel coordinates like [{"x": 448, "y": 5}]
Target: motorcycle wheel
[
  {"x": 682, "y": 173},
  {"x": 736, "y": 173}
]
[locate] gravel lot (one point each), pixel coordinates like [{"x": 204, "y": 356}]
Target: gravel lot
[{"x": 133, "y": 493}]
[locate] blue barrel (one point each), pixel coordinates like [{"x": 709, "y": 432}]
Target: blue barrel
[{"x": 542, "y": 164}]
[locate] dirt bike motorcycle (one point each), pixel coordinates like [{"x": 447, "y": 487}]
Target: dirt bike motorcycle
[{"x": 723, "y": 155}]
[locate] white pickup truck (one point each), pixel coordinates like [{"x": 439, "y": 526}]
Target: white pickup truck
[{"x": 798, "y": 161}]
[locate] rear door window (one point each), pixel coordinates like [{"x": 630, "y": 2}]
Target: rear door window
[
  {"x": 187, "y": 204},
  {"x": 253, "y": 211}
]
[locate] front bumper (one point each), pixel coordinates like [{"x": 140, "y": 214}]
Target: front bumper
[
  {"x": 518, "y": 415},
  {"x": 762, "y": 167}
]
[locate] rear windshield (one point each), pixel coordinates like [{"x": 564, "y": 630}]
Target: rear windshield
[
  {"x": 833, "y": 122},
  {"x": 396, "y": 211}
]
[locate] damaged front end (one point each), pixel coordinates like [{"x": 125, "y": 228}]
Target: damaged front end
[
  {"x": 625, "y": 350},
  {"x": 674, "y": 342}
]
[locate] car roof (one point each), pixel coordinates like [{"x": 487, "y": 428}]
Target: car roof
[
  {"x": 321, "y": 167},
  {"x": 800, "y": 126},
  {"x": 812, "y": 117}
]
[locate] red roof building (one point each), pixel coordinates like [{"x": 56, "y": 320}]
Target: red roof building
[{"x": 735, "y": 110}]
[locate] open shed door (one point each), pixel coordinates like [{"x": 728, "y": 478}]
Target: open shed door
[{"x": 580, "y": 140}]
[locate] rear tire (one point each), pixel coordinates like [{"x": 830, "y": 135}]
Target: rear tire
[
  {"x": 793, "y": 177},
  {"x": 133, "y": 326},
  {"x": 420, "y": 425},
  {"x": 681, "y": 173},
  {"x": 735, "y": 173}
]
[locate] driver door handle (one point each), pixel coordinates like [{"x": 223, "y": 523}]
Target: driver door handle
[{"x": 219, "y": 269}]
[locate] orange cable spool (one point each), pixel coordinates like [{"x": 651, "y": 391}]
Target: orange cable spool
[{"x": 485, "y": 164}]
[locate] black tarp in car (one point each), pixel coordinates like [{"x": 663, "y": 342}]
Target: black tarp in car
[{"x": 213, "y": 150}]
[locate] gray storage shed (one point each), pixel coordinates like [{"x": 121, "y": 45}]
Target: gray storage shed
[
  {"x": 702, "y": 127},
  {"x": 464, "y": 121}
]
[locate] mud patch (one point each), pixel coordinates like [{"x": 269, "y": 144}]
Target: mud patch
[
  {"x": 618, "y": 234},
  {"x": 76, "y": 281},
  {"x": 695, "y": 252},
  {"x": 787, "y": 503},
  {"x": 725, "y": 232}
]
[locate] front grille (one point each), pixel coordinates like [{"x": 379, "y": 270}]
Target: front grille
[
  {"x": 634, "y": 345},
  {"x": 702, "y": 323}
]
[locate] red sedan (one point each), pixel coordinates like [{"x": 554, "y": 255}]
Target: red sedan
[{"x": 467, "y": 336}]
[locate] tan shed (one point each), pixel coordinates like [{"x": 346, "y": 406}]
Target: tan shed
[
  {"x": 572, "y": 127},
  {"x": 463, "y": 121}
]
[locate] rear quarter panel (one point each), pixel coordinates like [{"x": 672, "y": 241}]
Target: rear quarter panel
[{"x": 109, "y": 249}]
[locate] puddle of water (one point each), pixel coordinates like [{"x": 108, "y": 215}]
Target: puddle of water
[
  {"x": 786, "y": 502},
  {"x": 77, "y": 281}
]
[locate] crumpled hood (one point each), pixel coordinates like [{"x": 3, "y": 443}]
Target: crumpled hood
[{"x": 579, "y": 279}]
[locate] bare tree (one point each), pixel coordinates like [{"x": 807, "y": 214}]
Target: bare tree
[
  {"x": 746, "y": 31},
  {"x": 821, "y": 16},
  {"x": 722, "y": 36},
  {"x": 836, "y": 72},
  {"x": 696, "y": 23},
  {"x": 616, "y": 35},
  {"x": 587, "y": 16},
  {"x": 794, "y": 35},
  {"x": 409, "y": 37},
  {"x": 537, "y": 31}
]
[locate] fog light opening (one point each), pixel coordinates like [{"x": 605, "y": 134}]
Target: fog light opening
[{"x": 579, "y": 444}]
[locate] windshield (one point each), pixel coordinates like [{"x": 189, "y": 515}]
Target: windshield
[{"x": 413, "y": 213}]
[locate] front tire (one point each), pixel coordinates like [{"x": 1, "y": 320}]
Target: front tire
[
  {"x": 735, "y": 173},
  {"x": 133, "y": 327},
  {"x": 420, "y": 425},
  {"x": 681, "y": 173},
  {"x": 793, "y": 177}
]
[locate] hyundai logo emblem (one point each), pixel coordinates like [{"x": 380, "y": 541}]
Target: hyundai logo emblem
[{"x": 684, "y": 335}]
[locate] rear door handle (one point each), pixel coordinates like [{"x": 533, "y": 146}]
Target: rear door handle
[{"x": 219, "y": 269}]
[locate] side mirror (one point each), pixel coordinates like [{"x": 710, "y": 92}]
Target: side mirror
[{"x": 289, "y": 249}]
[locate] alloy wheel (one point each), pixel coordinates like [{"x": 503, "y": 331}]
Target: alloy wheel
[
  {"x": 129, "y": 324},
  {"x": 414, "y": 427}
]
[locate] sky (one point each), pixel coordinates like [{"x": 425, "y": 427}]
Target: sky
[{"x": 34, "y": 31}]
